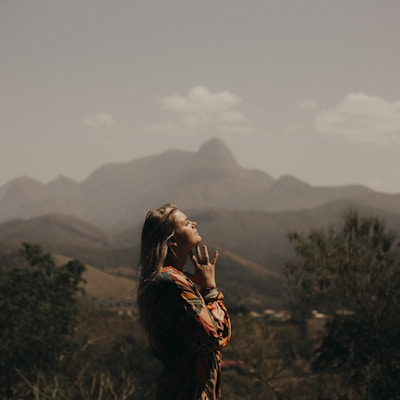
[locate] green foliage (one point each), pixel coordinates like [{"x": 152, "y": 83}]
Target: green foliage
[
  {"x": 353, "y": 275},
  {"x": 38, "y": 314},
  {"x": 48, "y": 351}
]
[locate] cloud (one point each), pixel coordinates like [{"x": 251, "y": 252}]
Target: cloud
[
  {"x": 100, "y": 121},
  {"x": 201, "y": 100},
  {"x": 362, "y": 118},
  {"x": 202, "y": 110}
]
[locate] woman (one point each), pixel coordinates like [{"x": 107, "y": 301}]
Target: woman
[{"x": 184, "y": 314}]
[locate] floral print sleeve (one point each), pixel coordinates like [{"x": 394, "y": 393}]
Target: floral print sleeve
[{"x": 206, "y": 325}]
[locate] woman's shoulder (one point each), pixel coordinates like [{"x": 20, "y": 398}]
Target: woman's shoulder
[{"x": 169, "y": 274}]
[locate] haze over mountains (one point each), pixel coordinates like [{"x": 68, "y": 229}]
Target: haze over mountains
[
  {"x": 116, "y": 197},
  {"x": 244, "y": 213}
]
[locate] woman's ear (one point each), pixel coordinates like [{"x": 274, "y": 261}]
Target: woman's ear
[{"x": 172, "y": 242}]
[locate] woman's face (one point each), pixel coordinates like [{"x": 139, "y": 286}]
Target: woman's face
[{"x": 186, "y": 234}]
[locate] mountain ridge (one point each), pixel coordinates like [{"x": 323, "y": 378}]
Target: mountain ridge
[
  {"x": 116, "y": 196},
  {"x": 253, "y": 244}
]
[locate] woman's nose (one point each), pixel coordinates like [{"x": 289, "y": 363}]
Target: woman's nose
[{"x": 194, "y": 224}]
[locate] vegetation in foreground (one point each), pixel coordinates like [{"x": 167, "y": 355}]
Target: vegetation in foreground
[{"x": 55, "y": 344}]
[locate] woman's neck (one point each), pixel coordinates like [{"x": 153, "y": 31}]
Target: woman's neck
[{"x": 176, "y": 260}]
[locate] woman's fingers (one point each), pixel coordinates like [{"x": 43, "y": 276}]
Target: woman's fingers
[
  {"x": 198, "y": 251},
  {"x": 198, "y": 259},
  {"x": 204, "y": 270},
  {"x": 215, "y": 258},
  {"x": 206, "y": 257},
  {"x": 193, "y": 258}
]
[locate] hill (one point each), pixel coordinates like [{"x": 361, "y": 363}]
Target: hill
[
  {"x": 103, "y": 287},
  {"x": 262, "y": 236},
  {"x": 253, "y": 244},
  {"x": 54, "y": 228}
]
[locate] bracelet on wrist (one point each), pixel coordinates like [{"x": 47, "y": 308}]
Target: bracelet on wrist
[
  {"x": 210, "y": 294},
  {"x": 209, "y": 291}
]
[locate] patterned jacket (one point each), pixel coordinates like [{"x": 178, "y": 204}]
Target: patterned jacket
[{"x": 188, "y": 330}]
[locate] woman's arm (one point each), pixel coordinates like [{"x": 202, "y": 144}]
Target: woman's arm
[{"x": 205, "y": 324}]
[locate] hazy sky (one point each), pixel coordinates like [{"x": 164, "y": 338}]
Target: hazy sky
[{"x": 309, "y": 88}]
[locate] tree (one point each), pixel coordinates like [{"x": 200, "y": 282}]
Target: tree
[
  {"x": 38, "y": 314},
  {"x": 352, "y": 274}
]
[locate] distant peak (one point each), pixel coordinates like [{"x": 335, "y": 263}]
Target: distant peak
[
  {"x": 23, "y": 181},
  {"x": 62, "y": 181},
  {"x": 213, "y": 143},
  {"x": 61, "y": 178},
  {"x": 216, "y": 149},
  {"x": 288, "y": 181}
]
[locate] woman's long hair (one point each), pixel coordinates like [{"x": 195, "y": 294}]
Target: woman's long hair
[{"x": 158, "y": 229}]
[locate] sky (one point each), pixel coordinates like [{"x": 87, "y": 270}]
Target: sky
[{"x": 308, "y": 88}]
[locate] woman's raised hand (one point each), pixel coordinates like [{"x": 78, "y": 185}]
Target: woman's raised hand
[{"x": 204, "y": 269}]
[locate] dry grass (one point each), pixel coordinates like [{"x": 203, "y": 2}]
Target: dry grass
[{"x": 102, "y": 285}]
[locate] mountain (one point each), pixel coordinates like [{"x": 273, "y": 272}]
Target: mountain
[
  {"x": 253, "y": 245},
  {"x": 244, "y": 213},
  {"x": 54, "y": 228},
  {"x": 116, "y": 196},
  {"x": 261, "y": 236}
]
